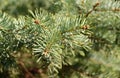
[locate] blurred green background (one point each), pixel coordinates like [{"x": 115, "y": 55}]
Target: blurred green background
[{"x": 21, "y": 7}]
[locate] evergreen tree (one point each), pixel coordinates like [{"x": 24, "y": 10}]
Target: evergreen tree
[{"x": 60, "y": 39}]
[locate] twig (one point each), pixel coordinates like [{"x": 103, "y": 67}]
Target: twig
[
  {"x": 25, "y": 69},
  {"x": 94, "y": 7},
  {"x": 105, "y": 10}
]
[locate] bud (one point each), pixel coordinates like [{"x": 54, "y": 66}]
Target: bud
[{"x": 36, "y": 21}]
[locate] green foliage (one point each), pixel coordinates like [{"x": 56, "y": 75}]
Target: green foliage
[{"x": 62, "y": 39}]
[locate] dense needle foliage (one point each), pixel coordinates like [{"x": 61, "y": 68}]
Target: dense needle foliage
[{"x": 59, "y": 39}]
